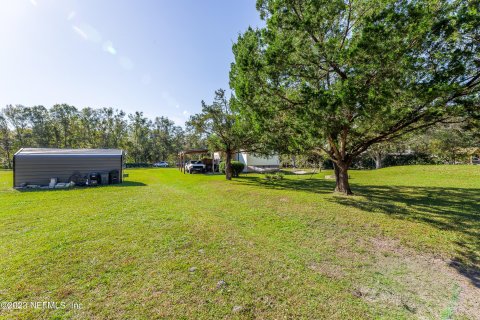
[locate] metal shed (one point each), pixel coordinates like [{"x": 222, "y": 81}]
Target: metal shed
[{"x": 38, "y": 165}]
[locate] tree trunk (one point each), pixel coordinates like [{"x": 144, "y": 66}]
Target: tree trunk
[
  {"x": 378, "y": 161},
  {"x": 341, "y": 178},
  {"x": 9, "y": 159},
  {"x": 65, "y": 137},
  {"x": 378, "y": 158},
  {"x": 228, "y": 166}
]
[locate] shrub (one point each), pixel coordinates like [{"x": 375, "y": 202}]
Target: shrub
[
  {"x": 364, "y": 161},
  {"x": 137, "y": 165},
  {"x": 408, "y": 159},
  {"x": 237, "y": 167},
  {"x": 327, "y": 164},
  {"x": 274, "y": 176}
]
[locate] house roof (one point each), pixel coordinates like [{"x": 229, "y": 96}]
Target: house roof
[{"x": 69, "y": 152}]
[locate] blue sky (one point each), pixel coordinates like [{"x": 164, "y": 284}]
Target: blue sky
[{"x": 161, "y": 57}]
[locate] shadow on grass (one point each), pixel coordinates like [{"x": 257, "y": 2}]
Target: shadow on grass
[
  {"x": 306, "y": 173},
  {"x": 126, "y": 184},
  {"x": 446, "y": 208},
  {"x": 119, "y": 185},
  {"x": 299, "y": 183}
]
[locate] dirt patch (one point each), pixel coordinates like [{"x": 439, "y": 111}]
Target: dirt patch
[
  {"x": 425, "y": 285},
  {"x": 328, "y": 269}
]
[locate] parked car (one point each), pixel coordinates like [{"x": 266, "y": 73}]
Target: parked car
[
  {"x": 194, "y": 166},
  {"x": 161, "y": 164}
]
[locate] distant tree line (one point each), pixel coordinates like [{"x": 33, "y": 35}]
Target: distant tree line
[
  {"x": 65, "y": 126},
  {"x": 453, "y": 143},
  {"x": 442, "y": 144}
]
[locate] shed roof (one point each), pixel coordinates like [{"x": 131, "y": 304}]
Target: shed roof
[{"x": 63, "y": 152}]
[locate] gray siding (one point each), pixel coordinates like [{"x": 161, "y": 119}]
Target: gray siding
[{"x": 38, "y": 169}]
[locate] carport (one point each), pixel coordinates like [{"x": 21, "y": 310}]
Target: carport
[{"x": 182, "y": 154}]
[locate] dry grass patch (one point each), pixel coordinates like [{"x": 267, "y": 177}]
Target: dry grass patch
[{"x": 168, "y": 245}]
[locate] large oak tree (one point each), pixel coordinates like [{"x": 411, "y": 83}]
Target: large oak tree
[{"x": 343, "y": 75}]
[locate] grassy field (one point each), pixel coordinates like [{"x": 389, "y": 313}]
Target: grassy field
[{"x": 168, "y": 245}]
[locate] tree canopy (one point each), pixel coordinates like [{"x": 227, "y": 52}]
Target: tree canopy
[
  {"x": 65, "y": 126},
  {"x": 223, "y": 128},
  {"x": 343, "y": 75}
]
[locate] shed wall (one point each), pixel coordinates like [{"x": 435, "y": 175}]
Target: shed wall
[{"x": 39, "y": 169}]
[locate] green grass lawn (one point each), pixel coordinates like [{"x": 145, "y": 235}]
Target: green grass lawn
[{"x": 169, "y": 245}]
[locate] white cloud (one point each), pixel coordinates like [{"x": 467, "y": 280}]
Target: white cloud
[
  {"x": 108, "y": 47},
  {"x": 34, "y": 2},
  {"x": 186, "y": 113}
]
